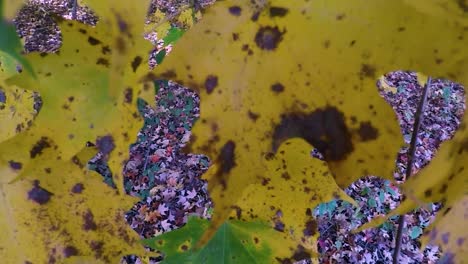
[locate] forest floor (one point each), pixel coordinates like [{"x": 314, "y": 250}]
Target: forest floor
[{"x": 169, "y": 184}]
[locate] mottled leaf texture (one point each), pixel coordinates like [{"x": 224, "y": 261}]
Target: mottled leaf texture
[
  {"x": 61, "y": 212},
  {"x": 276, "y": 69},
  {"x": 292, "y": 185},
  {"x": 49, "y": 209},
  {"x": 234, "y": 242}
]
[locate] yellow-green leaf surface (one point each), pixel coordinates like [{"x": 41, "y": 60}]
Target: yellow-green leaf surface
[
  {"x": 125, "y": 21},
  {"x": 84, "y": 99},
  {"x": 282, "y": 69},
  {"x": 11, "y": 7},
  {"x": 63, "y": 211},
  {"x": 292, "y": 186},
  {"x": 17, "y": 112}
]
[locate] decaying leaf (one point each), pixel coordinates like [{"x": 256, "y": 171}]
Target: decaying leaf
[
  {"x": 89, "y": 91},
  {"x": 61, "y": 211},
  {"x": 292, "y": 185}
]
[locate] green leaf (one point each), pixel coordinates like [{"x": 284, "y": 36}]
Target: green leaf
[{"x": 234, "y": 242}]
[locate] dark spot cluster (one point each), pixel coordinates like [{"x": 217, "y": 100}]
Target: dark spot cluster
[
  {"x": 39, "y": 194},
  {"x": 325, "y": 129},
  {"x": 40, "y": 145},
  {"x": 268, "y": 38},
  {"x": 102, "y": 61}
]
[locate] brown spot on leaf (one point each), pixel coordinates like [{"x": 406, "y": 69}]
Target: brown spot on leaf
[
  {"x": 15, "y": 165},
  {"x": 37, "y": 149},
  {"x": 184, "y": 247},
  {"x": 128, "y": 95},
  {"x": 279, "y": 226},
  {"x": 227, "y": 161},
  {"x": 88, "y": 221},
  {"x": 105, "y": 144},
  {"x": 39, "y": 194},
  {"x": 211, "y": 82},
  {"x": 235, "y": 10},
  {"x": 286, "y": 176},
  {"x": 102, "y": 61},
  {"x": 235, "y": 36},
  {"x": 443, "y": 188},
  {"x": 310, "y": 228},
  {"x": 96, "y": 246},
  {"x": 368, "y": 71},
  {"x": 276, "y": 11},
  {"x": 136, "y": 62},
  {"x": 325, "y": 129},
  {"x": 121, "y": 46},
  {"x": 69, "y": 251},
  {"x": 238, "y": 211},
  {"x": 268, "y": 38},
  {"x": 253, "y": 116},
  {"x": 428, "y": 193},
  {"x": 463, "y": 5},
  {"x": 367, "y": 132},
  {"x": 77, "y": 188},
  {"x": 93, "y": 41},
  {"x": 340, "y": 16},
  {"x": 445, "y": 238},
  {"x": 301, "y": 254},
  {"x": 105, "y": 50},
  {"x": 277, "y": 87}
]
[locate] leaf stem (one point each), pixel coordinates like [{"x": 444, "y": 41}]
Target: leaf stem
[{"x": 409, "y": 165}]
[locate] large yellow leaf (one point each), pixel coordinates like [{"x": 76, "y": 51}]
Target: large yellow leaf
[
  {"x": 63, "y": 211},
  {"x": 279, "y": 69},
  {"x": 292, "y": 185},
  {"x": 84, "y": 99}
]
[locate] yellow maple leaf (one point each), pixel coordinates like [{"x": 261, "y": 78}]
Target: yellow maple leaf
[{"x": 267, "y": 71}]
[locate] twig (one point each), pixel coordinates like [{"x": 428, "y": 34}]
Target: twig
[{"x": 409, "y": 165}]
